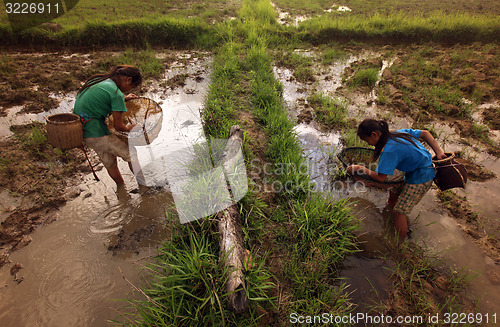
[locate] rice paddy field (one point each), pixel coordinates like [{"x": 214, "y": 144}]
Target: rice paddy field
[{"x": 297, "y": 77}]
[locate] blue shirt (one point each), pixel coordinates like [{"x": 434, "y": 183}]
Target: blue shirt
[{"x": 415, "y": 161}]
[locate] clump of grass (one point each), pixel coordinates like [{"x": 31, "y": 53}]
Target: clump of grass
[
  {"x": 436, "y": 26},
  {"x": 222, "y": 102},
  {"x": 33, "y": 141},
  {"x": 300, "y": 64},
  {"x": 365, "y": 77},
  {"x": 330, "y": 56},
  {"x": 186, "y": 286},
  {"x": 349, "y": 138},
  {"x": 145, "y": 60},
  {"x": 415, "y": 275},
  {"x": 330, "y": 112}
]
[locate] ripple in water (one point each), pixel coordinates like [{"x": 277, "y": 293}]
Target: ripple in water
[{"x": 112, "y": 219}]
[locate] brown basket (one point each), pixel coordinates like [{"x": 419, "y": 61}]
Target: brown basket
[
  {"x": 64, "y": 131},
  {"x": 449, "y": 173}
]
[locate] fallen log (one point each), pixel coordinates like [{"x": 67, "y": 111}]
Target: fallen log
[{"x": 232, "y": 252}]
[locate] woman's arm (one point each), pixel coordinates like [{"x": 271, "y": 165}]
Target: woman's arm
[
  {"x": 429, "y": 139},
  {"x": 118, "y": 122},
  {"x": 362, "y": 169},
  {"x": 130, "y": 97}
]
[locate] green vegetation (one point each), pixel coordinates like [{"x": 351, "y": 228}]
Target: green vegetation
[
  {"x": 186, "y": 284},
  {"x": 365, "y": 8},
  {"x": 365, "y": 77},
  {"x": 447, "y": 85},
  {"x": 419, "y": 287},
  {"x": 146, "y": 60},
  {"x": 331, "y": 113},
  {"x": 330, "y": 56},
  {"x": 186, "y": 288},
  {"x": 115, "y": 11},
  {"x": 164, "y": 23},
  {"x": 298, "y": 239}
]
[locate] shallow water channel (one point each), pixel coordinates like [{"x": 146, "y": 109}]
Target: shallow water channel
[
  {"x": 77, "y": 268},
  {"x": 367, "y": 273}
]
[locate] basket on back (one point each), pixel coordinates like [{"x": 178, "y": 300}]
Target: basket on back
[
  {"x": 449, "y": 173},
  {"x": 64, "y": 131},
  {"x": 364, "y": 157}
]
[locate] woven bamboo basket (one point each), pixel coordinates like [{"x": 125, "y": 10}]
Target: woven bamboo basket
[
  {"x": 449, "y": 173},
  {"x": 64, "y": 131}
]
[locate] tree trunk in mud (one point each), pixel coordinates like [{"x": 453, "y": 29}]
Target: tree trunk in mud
[{"x": 232, "y": 252}]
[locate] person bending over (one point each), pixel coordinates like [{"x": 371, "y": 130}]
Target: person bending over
[
  {"x": 400, "y": 150},
  {"x": 101, "y": 96}
]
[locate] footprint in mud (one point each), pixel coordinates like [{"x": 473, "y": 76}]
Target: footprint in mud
[{"x": 131, "y": 240}]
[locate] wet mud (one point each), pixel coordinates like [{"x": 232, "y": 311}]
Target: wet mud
[
  {"x": 460, "y": 229},
  {"x": 69, "y": 241}
]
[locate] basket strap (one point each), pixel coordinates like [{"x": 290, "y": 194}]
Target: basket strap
[{"x": 85, "y": 121}]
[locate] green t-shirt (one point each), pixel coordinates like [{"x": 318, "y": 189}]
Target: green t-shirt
[{"x": 95, "y": 104}]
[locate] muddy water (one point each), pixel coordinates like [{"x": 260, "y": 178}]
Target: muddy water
[
  {"x": 435, "y": 229},
  {"x": 74, "y": 270}
]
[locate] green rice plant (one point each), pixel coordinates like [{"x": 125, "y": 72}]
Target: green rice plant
[
  {"x": 436, "y": 26},
  {"x": 6, "y": 65},
  {"x": 145, "y": 60},
  {"x": 321, "y": 239},
  {"x": 325, "y": 224},
  {"x": 415, "y": 274},
  {"x": 330, "y": 56},
  {"x": 260, "y": 11},
  {"x": 330, "y": 112},
  {"x": 349, "y": 138},
  {"x": 283, "y": 147},
  {"x": 300, "y": 64},
  {"x": 186, "y": 286},
  {"x": 364, "y": 77}
]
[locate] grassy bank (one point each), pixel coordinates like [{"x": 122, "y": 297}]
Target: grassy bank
[
  {"x": 103, "y": 24},
  {"x": 298, "y": 239}
]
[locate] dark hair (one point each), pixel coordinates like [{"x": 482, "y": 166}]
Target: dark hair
[
  {"x": 368, "y": 126},
  {"x": 121, "y": 70}
]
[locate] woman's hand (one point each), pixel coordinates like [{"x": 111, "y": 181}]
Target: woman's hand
[
  {"x": 353, "y": 168},
  {"x": 363, "y": 170},
  {"x": 130, "y": 97},
  {"x": 441, "y": 155},
  {"x": 429, "y": 139}
]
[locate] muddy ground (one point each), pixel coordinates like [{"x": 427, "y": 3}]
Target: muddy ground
[{"x": 42, "y": 177}]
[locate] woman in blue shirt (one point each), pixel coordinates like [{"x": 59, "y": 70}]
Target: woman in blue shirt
[{"x": 400, "y": 150}]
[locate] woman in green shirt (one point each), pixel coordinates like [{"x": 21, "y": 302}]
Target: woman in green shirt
[{"x": 101, "y": 96}]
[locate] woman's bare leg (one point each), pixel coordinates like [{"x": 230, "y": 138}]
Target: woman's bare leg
[
  {"x": 115, "y": 174},
  {"x": 393, "y": 198},
  {"x": 401, "y": 224}
]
